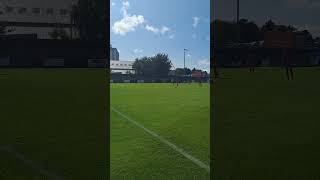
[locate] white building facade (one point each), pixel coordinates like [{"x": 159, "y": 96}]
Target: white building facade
[
  {"x": 121, "y": 67},
  {"x": 36, "y": 11}
]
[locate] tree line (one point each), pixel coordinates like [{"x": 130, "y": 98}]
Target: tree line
[
  {"x": 158, "y": 65},
  {"x": 246, "y": 31}
]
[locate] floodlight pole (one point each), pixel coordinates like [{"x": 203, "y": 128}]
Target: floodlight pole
[
  {"x": 238, "y": 17},
  {"x": 238, "y": 11},
  {"x": 184, "y": 58}
]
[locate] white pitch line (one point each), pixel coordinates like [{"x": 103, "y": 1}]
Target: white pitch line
[
  {"x": 173, "y": 146},
  {"x": 30, "y": 163}
]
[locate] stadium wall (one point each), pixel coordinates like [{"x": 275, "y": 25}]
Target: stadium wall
[
  {"x": 265, "y": 57},
  {"x": 127, "y": 78},
  {"x": 52, "y": 53}
]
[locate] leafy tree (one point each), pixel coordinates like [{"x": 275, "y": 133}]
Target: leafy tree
[
  {"x": 243, "y": 21},
  {"x": 180, "y": 72},
  {"x": 89, "y": 18},
  {"x": 2, "y": 30},
  {"x": 223, "y": 32},
  {"x": 161, "y": 64},
  {"x": 249, "y": 31},
  {"x": 268, "y": 26},
  {"x": 59, "y": 33},
  {"x": 128, "y": 72},
  {"x": 308, "y": 36},
  {"x": 271, "y": 26},
  {"x": 205, "y": 73},
  {"x": 158, "y": 65},
  {"x": 138, "y": 66},
  {"x": 228, "y": 32},
  {"x": 291, "y": 28},
  {"x": 188, "y": 71}
]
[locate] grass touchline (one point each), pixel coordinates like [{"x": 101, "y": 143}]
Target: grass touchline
[{"x": 163, "y": 140}]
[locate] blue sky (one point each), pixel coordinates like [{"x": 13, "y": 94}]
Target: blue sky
[{"x": 146, "y": 27}]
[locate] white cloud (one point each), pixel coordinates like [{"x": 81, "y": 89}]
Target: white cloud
[
  {"x": 172, "y": 36},
  {"x": 164, "y": 29},
  {"x": 138, "y": 51},
  {"x": 152, "y": 29},
  {"x": 128, "y": 23},
  {"x": 156, "y": 30},
  {"x": 204, "y": 62},
  {"x": 124, "y": 8},
  {"x": 113, "y": 3},
  {"x": 126, "y": 4},
  {"x": 195, "y": 21}
]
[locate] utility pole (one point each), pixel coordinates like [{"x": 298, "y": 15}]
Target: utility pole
[
  {"x": 184, "y": 58},
  {"x": 238, "y": 11},
  {"x": 238, "y": 19}
]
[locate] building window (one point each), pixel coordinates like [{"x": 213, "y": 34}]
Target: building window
[
  {"x": 36, "y": 10},
  {"x": 63, "y": 12},
  {"x": 50, "y": 11},
  {"x": 9, "y": 9}
]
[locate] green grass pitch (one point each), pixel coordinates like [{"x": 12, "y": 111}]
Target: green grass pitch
[
  {"x": 266, "y": 127},
  {"x": 180, "y": 115},
  {"x": 52, "y": 122}
]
